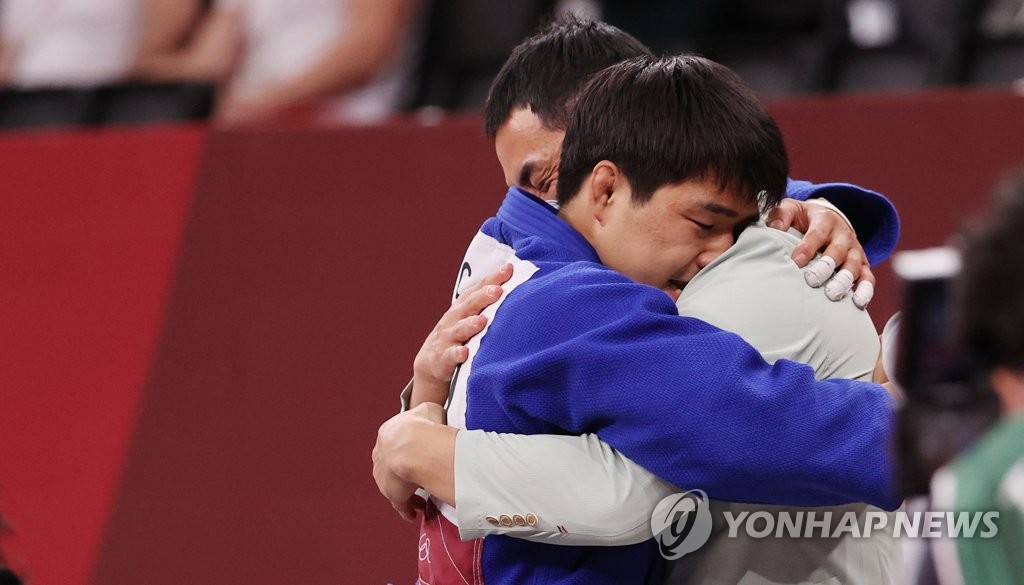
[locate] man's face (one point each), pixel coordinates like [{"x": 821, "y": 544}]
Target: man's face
[
  {"x": 666, "y": 241},
  {"x": 529, "y": 153}
]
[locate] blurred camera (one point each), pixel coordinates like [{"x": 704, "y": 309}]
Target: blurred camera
[{"x": 949, "y": 403}]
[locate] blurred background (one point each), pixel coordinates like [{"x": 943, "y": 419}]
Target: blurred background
[
  {"x": 360, "y": 61},
  {"x": 226, "y": 227}
]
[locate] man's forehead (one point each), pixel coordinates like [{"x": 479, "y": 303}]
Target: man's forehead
[
  {"x": 705, "y": 195},
  {"x": 731, "y": 207},
  {"x": 526, "y": 131},
  {"x": 523, "y": 144},
  {"x": 522, "y": 119}
]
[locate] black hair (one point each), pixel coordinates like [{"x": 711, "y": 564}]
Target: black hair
[
  {"x": 990, "y": 312},
  {"x": 545, "y": 72},
  {"x": 666, "y": 120}
]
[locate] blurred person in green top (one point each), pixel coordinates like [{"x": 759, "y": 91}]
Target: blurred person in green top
[{"x": 990, "y": 475}]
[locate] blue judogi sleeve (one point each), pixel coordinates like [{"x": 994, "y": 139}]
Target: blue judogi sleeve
[
  {"x": 582, "y": 349},
  {"x": 874, "y": 217}
]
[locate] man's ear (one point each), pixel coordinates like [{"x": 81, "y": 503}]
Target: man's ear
[{"x": 604, "y": 179}]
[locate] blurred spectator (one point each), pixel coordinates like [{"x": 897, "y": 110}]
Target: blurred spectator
[
  {"x": 996, "y": 56},
  {"x": 66, "y": 43},
  {"x": 180, "y": 41},
  {"x": 1003, "y": 18},
  {"x": 989, "y": 476},
  {"x": 349, "y": 56},
  {"x": 465, "y": 44}
]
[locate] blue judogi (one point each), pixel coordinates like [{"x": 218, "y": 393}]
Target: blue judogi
[{"x": 579, "y": 348}]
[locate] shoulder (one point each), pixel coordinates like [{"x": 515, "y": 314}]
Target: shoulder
[
  {"x": 756, "y": 271},
  {"x": 756, "y": 290},
  {"x": 588, "y": 286},
  {"x": 574, "y": 300}
]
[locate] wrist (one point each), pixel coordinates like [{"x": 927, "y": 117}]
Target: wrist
[
  {"x": 417, "y": 443},
  {"x": 425, "y": 389},
  {"x": 433, "y": 467},
  {"x": 822, "y": 202},
  {"x": 404, "y": 457}
]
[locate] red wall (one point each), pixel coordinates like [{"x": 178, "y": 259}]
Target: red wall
[
  {"x": 90, "y": 226},
  {"x": 201, "y": 334}
]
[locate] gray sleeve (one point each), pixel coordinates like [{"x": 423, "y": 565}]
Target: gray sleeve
[
  {"x": 405, "y": 396},
  {"x": 554, "y": 489}
]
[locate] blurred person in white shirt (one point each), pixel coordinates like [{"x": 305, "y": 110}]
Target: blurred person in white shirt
[
  {"x": 67, "y": 43},
  {"x": 348, "y": 57}
]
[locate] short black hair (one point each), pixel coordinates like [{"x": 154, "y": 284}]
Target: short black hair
[
  {"x": 666, "y": 120},
  {"x": 990, "y": 285},
  {"x": 547, "y": 70}
]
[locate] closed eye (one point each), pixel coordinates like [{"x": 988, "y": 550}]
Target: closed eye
[{"x": 704, "y": 226}]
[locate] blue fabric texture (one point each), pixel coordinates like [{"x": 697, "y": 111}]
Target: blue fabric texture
[
  {"x": 874, "y": 217},
  {"x": 580, "y": 348}
]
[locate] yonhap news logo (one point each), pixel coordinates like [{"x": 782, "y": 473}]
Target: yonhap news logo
[
  {"x": 681, "y": 523},
  {"x": 864, "y": 524}
]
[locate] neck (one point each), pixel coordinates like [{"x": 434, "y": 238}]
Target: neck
[{"x": 574, "y": 214}]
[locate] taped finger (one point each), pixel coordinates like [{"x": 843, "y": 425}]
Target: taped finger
[
  {"x": 839, "y": 286},
  {"x": 819, "y": 271},
  {"x": 865, "y": 291}
]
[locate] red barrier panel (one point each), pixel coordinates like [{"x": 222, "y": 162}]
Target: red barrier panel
[
  {"x": 312, "y": 265},
  {"x": 90, "y": 225}
]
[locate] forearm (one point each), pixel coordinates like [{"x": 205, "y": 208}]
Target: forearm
[
  {"x": 703, "y": 409},
  {"x": 161, "y": 55},
  {"x": 167, "y": 66},
  {"x": 209, "y": 55},
  {"x": 421, "y": 391},
  {"x": 165, "y": 25},
  {"x": 6, "y": 59},
  {"x": 568, "y": 490},
  {"x": 578, "y": 483}
]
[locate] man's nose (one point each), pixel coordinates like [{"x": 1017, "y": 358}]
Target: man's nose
[{"x": 714, "y": 249}]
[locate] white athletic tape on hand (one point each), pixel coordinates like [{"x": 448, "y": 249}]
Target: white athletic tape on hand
[
  {"x": 819, "y": 271},
  {"x": 862, "y": 296},
  {"x": 840, "y": 284}
]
